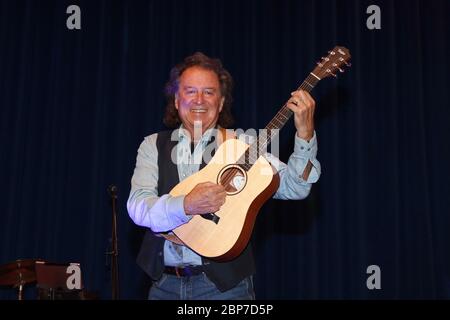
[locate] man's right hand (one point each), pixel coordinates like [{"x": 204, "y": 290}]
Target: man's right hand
[{"x": 206, "y": 197}]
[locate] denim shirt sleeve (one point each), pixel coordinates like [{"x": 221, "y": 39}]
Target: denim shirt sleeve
[
  {"x": 292, "y": 185},
  {"x": 145, "y": 207}
]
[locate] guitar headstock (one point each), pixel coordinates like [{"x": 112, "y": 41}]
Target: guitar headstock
[{"x": 335, "y": 61}]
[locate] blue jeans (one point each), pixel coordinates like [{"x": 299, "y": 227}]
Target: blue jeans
[{"x": 199, "y": 287}]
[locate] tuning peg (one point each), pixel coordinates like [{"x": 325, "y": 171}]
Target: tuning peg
[
  {"x": 337, "y": 67},
  {"x": 319, "y": 63},
  {"x": 331, "y": 73},
  {"x": 348, "y": 64},
  {"x": 332, "y": 52}
]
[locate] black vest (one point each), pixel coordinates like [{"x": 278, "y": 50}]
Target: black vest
[{"x": 225, "y": 275}]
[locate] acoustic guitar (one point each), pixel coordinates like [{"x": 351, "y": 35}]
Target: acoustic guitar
[{"x": 248, "y": 178}]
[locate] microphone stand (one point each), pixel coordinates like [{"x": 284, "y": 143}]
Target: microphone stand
[{"x": 114, "y": 250}]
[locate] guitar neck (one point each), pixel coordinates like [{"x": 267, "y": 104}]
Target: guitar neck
[
  {"x": 285, "y": 113},
  {"x": 271, "y": 130}
]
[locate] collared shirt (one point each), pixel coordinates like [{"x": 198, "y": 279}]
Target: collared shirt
[{"x": 164, "y": 213}]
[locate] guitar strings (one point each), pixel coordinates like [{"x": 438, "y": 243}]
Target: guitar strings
[
  {"x": 307, "y": 85},
  {"x": 286, "y": 113}
]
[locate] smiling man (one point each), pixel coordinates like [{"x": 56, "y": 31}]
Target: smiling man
[
  {"x": 199, "y": 99},
  {"x": 198, "y": 102}
]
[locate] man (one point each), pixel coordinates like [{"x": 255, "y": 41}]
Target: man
[{"x": 199, "y": 100}]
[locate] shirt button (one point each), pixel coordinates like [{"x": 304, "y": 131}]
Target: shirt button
[
  {"x": 302, "y": 147},
  {"x": 309, "y": 149}
]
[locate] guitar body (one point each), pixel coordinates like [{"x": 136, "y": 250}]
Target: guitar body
[{"x": 224, "y": 234}]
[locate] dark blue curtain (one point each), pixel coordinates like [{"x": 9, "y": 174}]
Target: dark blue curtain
[{"x": 76, "y": 104}]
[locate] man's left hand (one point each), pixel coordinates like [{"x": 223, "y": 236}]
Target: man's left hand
[{"x": 303, "y": 105}]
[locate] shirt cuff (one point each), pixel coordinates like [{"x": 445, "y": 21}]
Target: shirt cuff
[
  {"x": 175, "y": 209},
  {"x": 305, "y": 149}
]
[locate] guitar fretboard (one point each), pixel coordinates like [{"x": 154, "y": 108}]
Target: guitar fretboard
[{"x": 259, "y": 147}]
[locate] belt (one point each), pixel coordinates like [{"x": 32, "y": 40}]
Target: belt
[{"x": 184, "y": 272}]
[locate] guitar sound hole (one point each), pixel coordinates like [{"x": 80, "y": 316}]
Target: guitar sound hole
[{"x": 233, "y": 179}]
